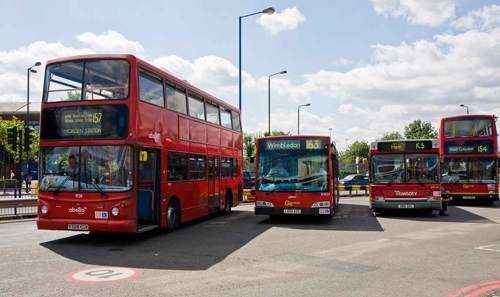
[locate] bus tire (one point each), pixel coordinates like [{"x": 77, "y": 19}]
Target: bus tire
[
  {"x": 227, "y": 206},
  {"x": 173, "y": 215}
]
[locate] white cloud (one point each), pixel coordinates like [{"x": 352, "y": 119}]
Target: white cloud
[
  {"x": 484, "y": 18},
  {"x": 288, "y": 19},
  {"x": 111, "y": 42},
  {"x": 428, "y": 13}
]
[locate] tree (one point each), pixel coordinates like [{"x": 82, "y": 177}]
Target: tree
[
  {"x": 359, "y": 149},
  {"x": 394, "y": 135},
  {"x": 19, "y": 125},
  {"x": 420, "y": 130}
]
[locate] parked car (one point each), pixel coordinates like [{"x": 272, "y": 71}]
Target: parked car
[
  {"x": 248, "y": 179},
  {"x": 355, "y": 179}
]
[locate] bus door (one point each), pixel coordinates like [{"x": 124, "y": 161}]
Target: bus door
[
  {"x": 148, "y": 186},
  {"x": 213, "y": 183}
]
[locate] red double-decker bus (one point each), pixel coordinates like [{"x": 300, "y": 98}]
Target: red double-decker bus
[
  {"x": 128, "y": 147},
  {"x": 296, "y": 175},
  {"x": 469, "y": 149},
  {"x": 405, "y": 174}
]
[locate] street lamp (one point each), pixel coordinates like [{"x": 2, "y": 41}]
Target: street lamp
[
  {"x": 330, "y": 132},
  {"x": 27, "y": 123},
  {"x": 269, "y": 100},
  {"x": 298, "y": 117},
  {"x": 346, "y": 144},
  {"x": 269, "y": 11},
  {"x": 30, "y": 69},
  {"x": 461, "y": 105}
]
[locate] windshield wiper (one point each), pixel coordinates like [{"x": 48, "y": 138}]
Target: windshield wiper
[
  {"x": 397, "y": 172},
  {"x": 103, "y": 194},
  {"x": 419, "y": 181},
  {"x": 60, "y": 186}
]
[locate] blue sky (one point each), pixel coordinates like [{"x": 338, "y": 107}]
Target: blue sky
[{"x": 367, "y": 67}]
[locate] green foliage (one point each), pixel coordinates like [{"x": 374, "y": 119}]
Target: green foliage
[
  {"x": 420, "y": 130},
  {"x": 19, "y": 125},
  {"x": 359, "y": 149},
  {"x": 394, "y": 135}
]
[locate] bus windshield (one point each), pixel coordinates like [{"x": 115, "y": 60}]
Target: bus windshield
[
  {"x": 86, "y": 169},
  {"x": 405, "y": 168},
  {"x": 293, "y": 170},
  {"x": 469, "y": 170},
  {"x": 87, "y": 80}
]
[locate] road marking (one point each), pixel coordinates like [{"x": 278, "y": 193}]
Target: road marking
[
  {"x": 477, "y": 289},
  {"x": 492, "y": 247},
  {"x": 103, "y": 275}
]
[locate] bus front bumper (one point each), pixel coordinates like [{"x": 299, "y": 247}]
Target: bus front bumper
[
  {"x": 408, "y": 205},
  {"x": 472, "y": 197},
  {"x": 120, "y": 226},
  {"x": 323, "y": 211}
]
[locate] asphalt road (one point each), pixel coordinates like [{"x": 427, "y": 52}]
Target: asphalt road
[{"x": 355, "y": 254}]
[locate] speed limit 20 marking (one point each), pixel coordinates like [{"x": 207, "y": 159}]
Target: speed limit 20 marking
[{"x": 103, "y": 275}]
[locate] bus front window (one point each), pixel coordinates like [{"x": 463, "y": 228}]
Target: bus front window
[{"x": 86, "y": 169}]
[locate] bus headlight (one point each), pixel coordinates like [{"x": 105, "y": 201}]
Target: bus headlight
[
  {"x": 379, "y": 198},
  {"x": 433, "y": 198},
  {"x": 321, "y": 204},
  {"x": 264, "y": 204},
  {"x": 115, "y": 211},
  {"x": 44, "y": 209}
]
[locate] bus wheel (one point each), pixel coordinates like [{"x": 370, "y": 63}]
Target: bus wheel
[
  {"x": 172, "y": 215},
  {"x": 227, "y": 206}
]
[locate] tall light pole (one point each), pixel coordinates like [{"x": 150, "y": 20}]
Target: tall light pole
[
  {"x": 298, "y": 117},
  {"x": 461, "y": 105},
  {"x": 330, "y": 132},
  {"x": 346, "y": 144},
  {"x": 269, "y": 100},
  {"x": 27, "y": 123},
  {"x": 269, "y": 11}
]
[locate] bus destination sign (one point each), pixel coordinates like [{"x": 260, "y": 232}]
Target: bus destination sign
[
  {"x": 294, "y": 144},
  {"x": 468, "y": 147},
  {"x": 81, "y": 122},
  {"x": 396, "y": 146}
]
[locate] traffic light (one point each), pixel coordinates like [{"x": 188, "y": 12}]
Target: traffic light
[
  {"x": 12, "y": 138},
  {"x": 28, "y": 138}
]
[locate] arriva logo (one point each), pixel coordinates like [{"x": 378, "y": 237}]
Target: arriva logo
[
  {"x": 465, "y": 186},
  {"x": 399, "y": 193},
  {"x": 80, "y": 210}
]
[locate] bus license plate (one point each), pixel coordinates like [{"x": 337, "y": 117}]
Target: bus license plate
[
  {"x": 78, "y": 227},
  {"x": 293, "y": 211},
  {"x": 406, "y": 206},
  {"x": 468, "y": 197}
]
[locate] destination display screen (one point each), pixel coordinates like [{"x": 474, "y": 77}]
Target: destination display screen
[
  {"x": 81, "y": 122},
  {"x": 397, "y": 146},
  {"x": 293, "y": 144},
  {"x": 467, "y": 147},
  {"x": 85, "y": 122}
]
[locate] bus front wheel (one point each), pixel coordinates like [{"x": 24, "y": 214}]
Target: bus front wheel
[{"x": 173, "y": 214}]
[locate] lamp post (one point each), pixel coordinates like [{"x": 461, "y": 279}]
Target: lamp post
[
  {"x": 461, "y": 105},
  {"x": 269, "y": 11},
  {"x": 330, "y": 132},
  {"x": 27, "y": 123},
  {"x": 298, "y": 117},
  {"x": 346, "y": 144},
  {"x": 269, "y": 100}
]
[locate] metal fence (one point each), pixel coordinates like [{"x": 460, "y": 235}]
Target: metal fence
[{"x": 18, "y": 203}]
